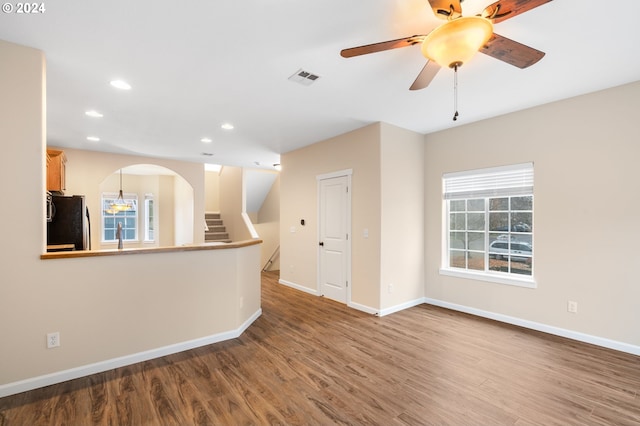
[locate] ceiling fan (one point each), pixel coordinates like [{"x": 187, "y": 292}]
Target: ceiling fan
[{"x": 453, "y": 43}]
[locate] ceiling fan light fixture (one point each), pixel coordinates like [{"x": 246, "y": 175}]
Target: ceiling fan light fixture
[{"x": 455, "y": 42}]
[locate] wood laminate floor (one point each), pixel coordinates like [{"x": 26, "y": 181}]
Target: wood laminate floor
[{"x": 311, "y": 361}]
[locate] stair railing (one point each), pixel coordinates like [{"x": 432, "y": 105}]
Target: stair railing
[{"x": 271, "y": 259}]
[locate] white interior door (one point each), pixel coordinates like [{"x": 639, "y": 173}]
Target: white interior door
[{"x": 335, "y": 225}]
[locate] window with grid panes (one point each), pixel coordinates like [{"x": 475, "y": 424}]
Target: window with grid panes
[
  {"x": 489, "y": 222},
  {"x": 149, "y": 218},
  {"x": 128, "y": 218}
]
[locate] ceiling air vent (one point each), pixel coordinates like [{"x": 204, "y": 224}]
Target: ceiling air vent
[{"x": 304, "y": 77}]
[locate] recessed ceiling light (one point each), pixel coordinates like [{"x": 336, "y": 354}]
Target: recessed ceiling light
[
  {"x": 227, "y": 126},
  {"x": 206, "y": 140},
  {"x": 277, "y": 166},
  {"x": 94, "y": 113},
  {"x": 120, "y": 84},
  {"x": 93, "y": 138}
]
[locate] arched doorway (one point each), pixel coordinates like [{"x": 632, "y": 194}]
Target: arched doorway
[{"x": 161, "y": 209}]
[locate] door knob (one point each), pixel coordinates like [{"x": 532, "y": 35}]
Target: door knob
[{"x": 321, "y": 243}]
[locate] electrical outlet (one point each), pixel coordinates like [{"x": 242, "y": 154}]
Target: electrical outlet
[
  {"x": 572, "y": 306},
  {"x": 53, "y": 340},
  {"x": 391, "y": 288}
]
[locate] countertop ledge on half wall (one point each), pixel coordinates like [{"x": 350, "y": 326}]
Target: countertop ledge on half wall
[{"x": 169, "y": 249}]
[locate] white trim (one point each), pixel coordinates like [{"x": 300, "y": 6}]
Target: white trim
[
  {"x": 401, "y": 307},
  {"x": 145, "y": 219},
  {"x": 346, "y": 172},
  {"x": 299, "y": 287},
  {"x": 363, "y": 308},
  {"x": 319, "y": 178},
  {"x": 247, "y": 222},
  {"x": 510, "y": 279},
  {"x": 557, "y": 331},
  {"x": 313, "y": 292},
  {"x": 99, "y": 367}
]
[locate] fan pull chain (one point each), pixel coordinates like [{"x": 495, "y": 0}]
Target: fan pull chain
[{"x": 455, "y": 92}]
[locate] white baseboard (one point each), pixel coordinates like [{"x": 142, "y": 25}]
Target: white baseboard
[
  {"x": 299, "y": 287},
  {"x": 400, "y": 307},
  {"x": 99, "y": 367},
  {"x": 314, "y": 292},
  {"x": 557, "y": 331},
  {"x": 363, "y": 308}
]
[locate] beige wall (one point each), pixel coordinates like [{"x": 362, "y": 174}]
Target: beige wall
[
  {"x": 159, "y": 301},
  {"x": 402, "y": 217},
  {"x": 587, "y": 198},
  {"x": 360, "y": 151},
  {"x": 387, "y": 214},
  {"x": 22, "y": 125},
  {"x": 267, "y": 225},
  {"x": 187, "y": 226},
  {"x": 166, "y": 211},
  {"x": 231, "y": 205},
  {"x": 212, "y": 191}
]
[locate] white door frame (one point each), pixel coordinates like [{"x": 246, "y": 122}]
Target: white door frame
[{"x": 341, "y": 173}]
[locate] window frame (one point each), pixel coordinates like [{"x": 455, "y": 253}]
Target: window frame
[
  {"x": 486, "y": 191},
  {"x": 150, "y": 220},
  {"x": 104, "y": 215}
]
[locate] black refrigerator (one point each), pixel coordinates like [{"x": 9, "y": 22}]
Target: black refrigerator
[{"x": 70, "y": 227}]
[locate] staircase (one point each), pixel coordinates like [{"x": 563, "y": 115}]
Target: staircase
[{"x": 216, "y": 231}]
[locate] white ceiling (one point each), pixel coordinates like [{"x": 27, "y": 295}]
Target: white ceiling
[{"x": 194, "y": 65}]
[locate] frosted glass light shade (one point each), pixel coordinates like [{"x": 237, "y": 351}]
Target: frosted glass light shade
[
  {"x": 120, "y": 205},
  {"x": 456, "y": 41}
]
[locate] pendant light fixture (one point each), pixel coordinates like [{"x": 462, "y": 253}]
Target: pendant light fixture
[{"x": 119, "y": 204}]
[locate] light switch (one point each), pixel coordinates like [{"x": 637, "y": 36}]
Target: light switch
[
  {"x": 365, "y": 233},
  {"x": 292, "y": 229}
]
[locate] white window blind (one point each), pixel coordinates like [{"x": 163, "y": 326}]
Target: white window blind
[{"x": 492, "y": 182}]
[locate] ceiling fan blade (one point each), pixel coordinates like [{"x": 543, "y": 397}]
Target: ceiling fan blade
[
  {"x": 506, "y": 9},
  {"x": 427, "y": 74},
  {"x": 511, "y": 52},
  {"x": 446, "y": 9},
  {"x": 379, "y": 47}
]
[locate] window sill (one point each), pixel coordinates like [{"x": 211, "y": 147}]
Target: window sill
[{"x": 525, "y": 281}]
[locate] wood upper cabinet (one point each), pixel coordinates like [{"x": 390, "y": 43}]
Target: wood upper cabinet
[{"x": 56, "y": 163}]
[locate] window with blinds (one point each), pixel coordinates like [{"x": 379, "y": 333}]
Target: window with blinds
[{"x": 489, "y": 222}]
